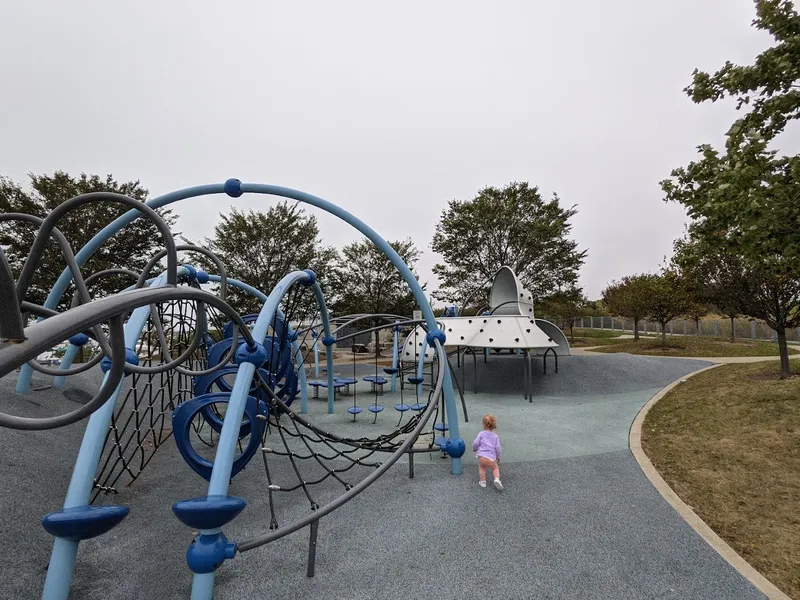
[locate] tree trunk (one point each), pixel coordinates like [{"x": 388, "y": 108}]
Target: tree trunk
[
  {"x": 572, "y": 330},
  {"x": 663, "y": 336},
  {"x": 784, "y": 350},
  {"x": 697, "y": 325},
  {"x": 733, "y": 331},
  {"x": 635, "y": 329}
]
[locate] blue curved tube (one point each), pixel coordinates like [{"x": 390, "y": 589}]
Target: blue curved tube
[{"x": 326, "y": 325}]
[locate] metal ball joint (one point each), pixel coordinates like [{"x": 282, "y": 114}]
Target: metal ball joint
[
  {"x": 255, "y": 354},
  {"x": 233, "y": 187},
  {"x": 207, "y": 552},
  {"x": 312, "y": 278},
  {"x": 79, "y": 339},
  {"x": 328, "y": 340},
  {"x": 435, "y": 334},
  {"x": 455, "y": 447},
  {"x": 192, "y": 272},
  {"x": 130, "y": 357}
]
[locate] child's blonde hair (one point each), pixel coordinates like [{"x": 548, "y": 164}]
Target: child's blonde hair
[{"x": 489, "y": 422}]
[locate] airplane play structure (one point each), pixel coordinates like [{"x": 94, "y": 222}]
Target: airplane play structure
[{"x": 172, "y": 351}]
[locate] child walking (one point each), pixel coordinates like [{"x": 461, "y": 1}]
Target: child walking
[{"x": 487, "y": 447}]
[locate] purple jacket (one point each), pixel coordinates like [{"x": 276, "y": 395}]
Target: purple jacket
[{"x": 487, "y": 444}]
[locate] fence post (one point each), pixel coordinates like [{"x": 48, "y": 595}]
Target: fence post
[
  {"x": 753, "y": 329},
  {"x": 716, "y": 328}
]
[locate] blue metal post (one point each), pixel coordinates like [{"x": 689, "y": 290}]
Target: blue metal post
[
  {"x": 316, "y": 354},
  {"x": 66, "y": 363},
  {"x": 394, "y": 356},
  {"x": 421, "y": 363},
  {"x": 301, "y": 371}
]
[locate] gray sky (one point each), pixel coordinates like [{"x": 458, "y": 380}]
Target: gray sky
[{"x": 388, "y": 109}]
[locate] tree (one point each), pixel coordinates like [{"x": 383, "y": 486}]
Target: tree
[
  {"x": 769, "y": 87},
  {"x": 667, "y": 297},
  {"x": 130, "y": 248},
  {"x": 511, "y": 226},
  {"x": 366, "y": 281},
  {"x": 714, "y": 278},
  {"x": 567, "y": 306},
  {"x": 746, "y": 287},
  {"x": 745, "y": 204},
  {"x": 628, "y": 298},
  {"x": 261, "y": 248}
]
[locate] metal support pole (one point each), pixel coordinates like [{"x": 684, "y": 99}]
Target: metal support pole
[
  {"x": 312, "y": 548},
  {"x": 525, "y": 373},
  {"x": 530, "y": 379},
  {"x": 475, "y": 370},
  {"x": 411, "y": 465},
  {"x": 394, "y": 357}
]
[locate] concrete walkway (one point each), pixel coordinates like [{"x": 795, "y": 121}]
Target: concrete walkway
[{"x": 578, "y": 519}]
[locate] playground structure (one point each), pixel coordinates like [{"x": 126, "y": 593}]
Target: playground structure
[
  {"x": 507, "y": 325},
  {"x": 165, "y": 375}
]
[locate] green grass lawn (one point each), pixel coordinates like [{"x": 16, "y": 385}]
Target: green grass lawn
[
  {"x": 728, "y": 442},
  {"x": 693, "y": 346},
  {"x": 586, "y": 338}
]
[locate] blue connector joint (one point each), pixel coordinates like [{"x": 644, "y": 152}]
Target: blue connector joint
[
  {"x": 208, "y": 551},
  {"x": 192, "y": 272},
  {"x": 79, "y": 339},
  {"x": 130, "y": 357},
  {"x": 435, "y": 334},
  {"x": 312, "y": 277},
  {"x": 233, "y": 187},
  {"x": 202, "y": 277},
  {"x": 328, "y": 340},
  {"x": 256, "y": 354}
]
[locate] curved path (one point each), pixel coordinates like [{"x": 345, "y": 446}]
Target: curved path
[{"x": 578, "y": 518}]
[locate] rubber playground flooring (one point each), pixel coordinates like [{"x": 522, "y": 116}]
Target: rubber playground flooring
[{"x": 577, "y": 518}]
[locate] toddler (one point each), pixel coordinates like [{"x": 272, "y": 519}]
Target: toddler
[{"x": 487, "y": 447}]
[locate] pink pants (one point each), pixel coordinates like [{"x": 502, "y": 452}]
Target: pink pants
[{"x": 484, "y": 464}]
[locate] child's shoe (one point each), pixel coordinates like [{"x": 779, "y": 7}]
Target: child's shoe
[
  {"x": 482, "y": 484},
  {"x": 498, "y": 484}
]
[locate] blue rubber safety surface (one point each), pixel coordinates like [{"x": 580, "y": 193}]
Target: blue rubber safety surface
[{"x": 577, "y": 518}]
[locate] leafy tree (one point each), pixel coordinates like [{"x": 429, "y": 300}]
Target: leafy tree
[
  {"x": 629, "y": 298},
  {"x": 131, "y": 248},
  {"x": 567, "y": 306},
  {"x": 714, "y": 278},
  {"x": 261, "y": 248},
  {"x": 745, "y": 287},
  {"x": 769, "y": 87},
  {"x": 745, "y": 204},
  {"x": 511, "y": 226},
  {"x": 668, "y": 297},
  {"x": 365, "y": 280}
]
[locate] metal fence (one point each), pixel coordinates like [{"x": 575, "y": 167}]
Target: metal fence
[{"x": 742, "y": 328}]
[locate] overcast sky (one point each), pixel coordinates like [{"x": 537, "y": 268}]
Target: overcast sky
[{"x": 388, "y": 109}]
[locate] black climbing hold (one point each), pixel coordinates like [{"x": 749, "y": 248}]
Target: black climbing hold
[{"x": 516, "y": 339}]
